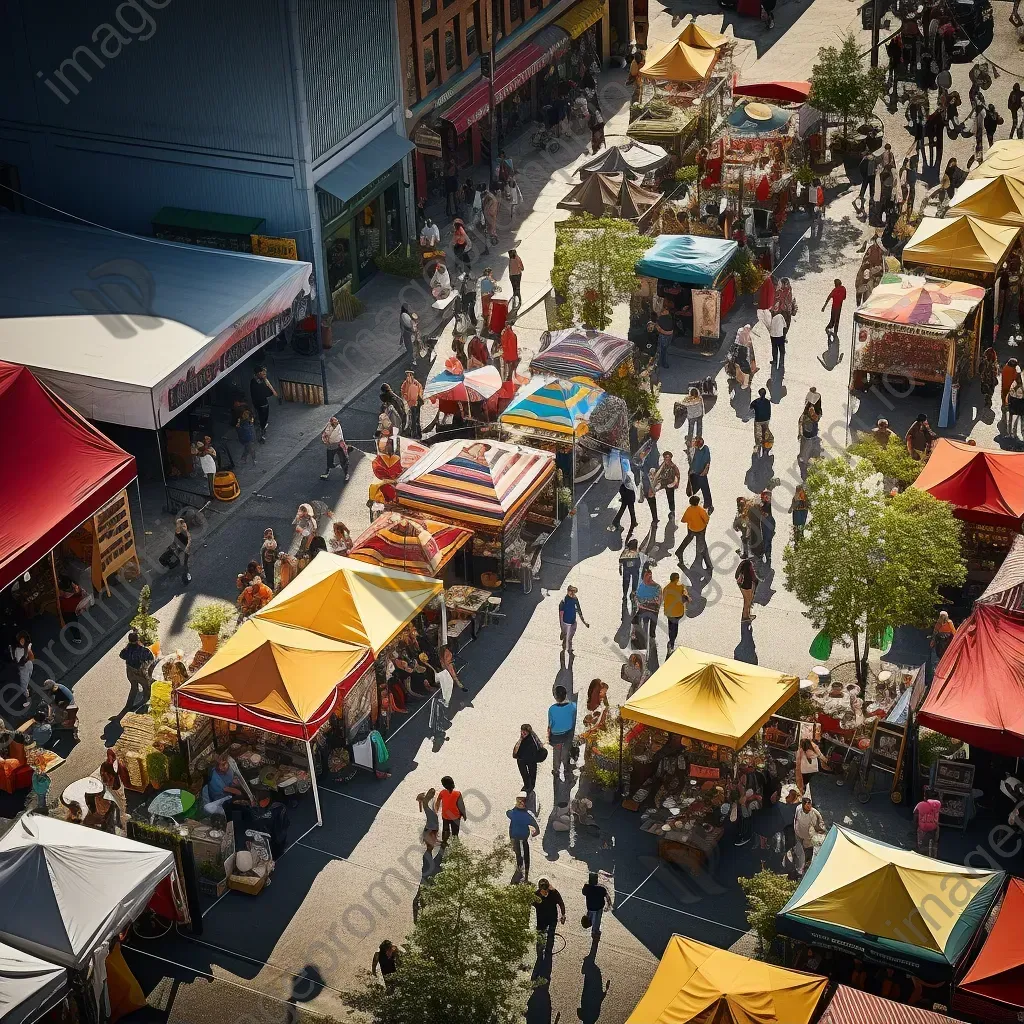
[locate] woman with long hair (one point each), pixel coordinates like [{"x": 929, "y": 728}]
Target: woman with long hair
[
  {"x": 527, "y": 753},
  {"x": 425, "y": 802}
]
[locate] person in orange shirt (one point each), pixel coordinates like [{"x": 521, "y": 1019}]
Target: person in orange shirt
[
  {"x": 412, "y": 395},
  {"x": 942, "y": 634},
  {"x": 253, "y": 598},
  {"x": 509, "y": 352},
  {"x": 451, "y": 808},
  {"x": 1010, "y": 371}
]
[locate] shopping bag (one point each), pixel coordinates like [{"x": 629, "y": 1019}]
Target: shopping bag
[
  {"x": 613, "y": 467},
  {"x": 821, "y": 646}
]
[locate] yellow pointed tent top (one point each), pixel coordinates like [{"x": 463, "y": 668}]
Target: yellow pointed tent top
[
  {"x": 895, "y": 894},
  {"x": 999, "y": 199},
  {"x": 275, "y": 670},
  {"x": 1005, "y": 157},
  {"x": 697, "y": 982},
  {"x": 351, "y": 601},
  {"x": 680, "y": 62},
  {"x": 694, "y": 35},
  {"x": 713, "y": 699},
  {"x": 965, "y": 243}
]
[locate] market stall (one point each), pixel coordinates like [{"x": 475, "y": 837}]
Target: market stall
[
  {"x": 579, "y": 352},
  {"x": 680, "y": 61},
  {"x": 923, "y": 329},
  {"x": 700, "y": 984},
  {"x": 993, "y": 987},
  {"x": 410, "y": 544},
  {"x": 852, "y": 1006},
  {"x": 965, "y": 249},
  {"x": 64, "y": 513},
  {"x": 29, "y": 987},
  {"x": 497, "y": 489},
  {"x": 986, "y": 489},
  {"x": 635, "y": 159},
  {"x": 1004, "y": 157},
  {"x": 603, "y": 194},
  {"x": 888, "y": 906},
  {"x": 699, "y": 751},
  {"x": 999, "y": 200},
  {"x": 690, "y": 275}
]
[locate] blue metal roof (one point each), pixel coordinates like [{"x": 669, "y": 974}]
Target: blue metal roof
[
  {"x": 60, "y": 268},
  {"x": 688, "y": 259}
]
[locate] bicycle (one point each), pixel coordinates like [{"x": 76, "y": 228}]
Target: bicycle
[{"x": 544, "y": 139}]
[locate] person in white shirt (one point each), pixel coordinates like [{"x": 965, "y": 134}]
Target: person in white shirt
[
  {"x": 806, "y": 822},
  {"x": 333, "y": 438},
  {"x": 430, "y": 236},
  {"x": 208, "y": 464},
  {"x": 778, "y": 332}
]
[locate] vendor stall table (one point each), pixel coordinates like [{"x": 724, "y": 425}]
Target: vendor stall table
[
  {"x": 78, "y": 791},
  {"x": 688, "y": 848}
]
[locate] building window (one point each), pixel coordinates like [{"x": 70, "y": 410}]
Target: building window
[
  {"x": 430, "y": 59},
  {"x": 515, "y": 11},
  {"x": 472, "y": 40},
  {"x": 428, "y": 10},
  {"x": 451, "y": 48},
  {"x": 412, "y": 87}
]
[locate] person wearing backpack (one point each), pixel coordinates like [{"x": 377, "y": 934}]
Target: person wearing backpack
[{"x": 528, "y": 753}]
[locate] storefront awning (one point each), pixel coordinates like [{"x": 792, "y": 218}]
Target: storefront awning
[
  {"x": 374, "y": 159},
  {"x": 518, "y": 68},
  {"x": 581, "y": 17}
]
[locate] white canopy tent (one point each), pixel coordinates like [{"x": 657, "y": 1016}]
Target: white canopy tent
[
  {"x": 66, "y": 890},
  {"x": 29, "y": 987}
]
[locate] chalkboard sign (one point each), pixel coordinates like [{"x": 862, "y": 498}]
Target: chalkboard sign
[
  {"x": 954, "y": 776},
  {"x": 954, "y": 808},
  {"x": 886, "y": 742}
]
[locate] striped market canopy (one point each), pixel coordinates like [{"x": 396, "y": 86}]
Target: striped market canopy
[
  {"x": 578, "y": 352},
  {"x": 473, "y": 386},
  {"x": 486, "y": 484},
  {"x": 423, "y": 546},
  {"x": 559, "y": 405}
]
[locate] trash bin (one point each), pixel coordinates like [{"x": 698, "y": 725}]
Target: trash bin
[{"x": 499, "y": 315}]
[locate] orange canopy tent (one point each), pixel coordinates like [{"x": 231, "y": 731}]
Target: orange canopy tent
[
  {"x": 993, "y": 989},
  {"x": 982, "y": 485}
]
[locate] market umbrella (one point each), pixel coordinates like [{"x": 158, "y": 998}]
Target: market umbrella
[
  {"x": 921, "y": 301},
  {"x": 694, "y": 35},
  {"x": 630, "y": 157},
  {"x": 602, "y": 191},
  {"x": 472, "y": 386},
  {"x": 423, "y": 546},
  {"x": 1005, "y": 157},
  {"x": 559, "y": 405},
  {"x": 680, "y": 62},
  {"x": 757, "y": 119},
  {"x": 172, "y": 802},
  {"x": 579, "y": 352},
  {"x": 780, "y": 92}
]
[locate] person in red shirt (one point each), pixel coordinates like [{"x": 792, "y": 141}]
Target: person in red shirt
[
  {"x": 450, "y": 805},
  {"x": 509, "y": 352},
  {"x": 837, "y": 296},
  {"x": 926, "y": 818}
]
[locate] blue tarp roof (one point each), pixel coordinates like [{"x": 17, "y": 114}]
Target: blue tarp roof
[{"x": 688, "y": 259}]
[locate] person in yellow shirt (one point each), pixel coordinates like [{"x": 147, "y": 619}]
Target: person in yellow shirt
[
  {"x": 675, "y": 597},
  {"x": 696, "y": 520}
]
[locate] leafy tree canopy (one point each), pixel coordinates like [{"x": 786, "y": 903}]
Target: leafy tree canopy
[
  {"x": 893, "y": 461},
  {"x": 842, "y": 84}
]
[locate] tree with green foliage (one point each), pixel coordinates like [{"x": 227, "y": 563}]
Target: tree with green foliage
[
  {"x": 893, "y": 461},
  {"x": 595, "y": 267},
  {"x": 463, "y": 960},
  {"x": 767, "y": 893},
  {"x": 868, "y": 560},
  {"x": 841, "y": 84}
]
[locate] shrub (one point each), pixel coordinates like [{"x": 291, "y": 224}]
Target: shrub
[
  {"x": 210, "y": 618},
  {"x": 146, "y": 625},
  {"x": 767, "y": 893},
  {"x": 402, "y": 262}
]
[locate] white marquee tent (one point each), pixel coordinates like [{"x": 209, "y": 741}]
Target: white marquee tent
[{"x": 29, "y": 987}]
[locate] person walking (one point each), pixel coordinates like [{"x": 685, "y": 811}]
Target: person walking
[
  {"x": 466, "y": 311},
  {"x": 763, "y": 524},
  {"x": 431, "y": 825},
  {"x": 598, "y": 901},
  {"x": 245, "y": 431},
  {"x": 798, "y": 509},
  {"x": 837, "y": 297},
  {"x": 650, "y": 494},
  {"x": 1014, "y": 102},
  {"x": 694, "y": 405},
  {"x": 631, "y": 563},
  {"x": 261, "y": 391},
  {"x": 528, "y": 753},
  {"x": 268, "y": 555},
  {"x": 569, "y": 609},
  {"x": 920, "y": 437},
  {"x": 942, "y": 634},
  {"x": 509, "y": 352},
  {"x": 386, "y": 958},
  {"x": 926, "y": 821},
  {"x": 696, "y": 519},
  {"x": 935, "y": 130},
  {"x": 451, "y": 807},
  {"x": 138, "y": 661},
  {"x": 182, "y": 545},
  {"x": 333, "y": 439},
  {"x": 627, "y": 499},
  {"x": 461, "y": 244},
  {"x": 561, "y": 732},
  {"x": 761, "y": 407},
  {"x": 992, "y": 121},
  {"x": 487, "y": 287},
  {"x": 667, "y": 478},
  {"x": 867, "y": 168},
  {"x": 807, "y": 437},
  {"x": 648, "y": 602},
  {"x": 746, "y": 580},
  {"x": 409, "y": 330},
  {"x": 675, "y": 597},
  {"x": 700, "y": 466},
  {"x": 515, "y": 274},
  {"x": 806, "y": 822},
  {"x": 522, "y": 827},
  {"x": 451, "y": 188},
  {"x": 777, "y": 330},
  {"x": 412, "y": 395},
  {"x": 208, "y": 466},
  {"x": 989, "y": 375},
  {"x": 550, "y": 911},
  {"x": 24, "y": 658}
]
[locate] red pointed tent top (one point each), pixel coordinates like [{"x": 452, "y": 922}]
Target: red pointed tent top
[
  {"x": 57, "y": 470},
  {"x": 985, "y": 486},
  {"x": 998, "y": 973},
  {"x": 780, "y": 92}
]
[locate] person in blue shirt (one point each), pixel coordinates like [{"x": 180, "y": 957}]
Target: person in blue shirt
[
  {"x": 569, "y": 609},
  {"x": 224, "y": 789},
  {"x": 522, "y": 826},
  {"x": 700, "y": 465},
  {"x": 561, "y": 730}
]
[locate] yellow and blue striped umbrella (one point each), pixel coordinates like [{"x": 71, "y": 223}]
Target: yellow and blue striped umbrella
[{"x": 548, "y": 403}]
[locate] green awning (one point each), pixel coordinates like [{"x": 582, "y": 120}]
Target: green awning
[{"x": 202, "y": 220}]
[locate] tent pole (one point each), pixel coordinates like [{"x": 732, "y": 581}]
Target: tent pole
[
  {"x": 620, "y": 753},
  {"x": 312, "y": 775},
  {"x": 444, "y": 621},
  {"x": 142, "y": 518}
]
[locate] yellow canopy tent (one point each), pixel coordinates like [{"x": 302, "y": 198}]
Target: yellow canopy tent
[
  {"x": 890, "y": 903},
  {"x": 694, "y": 35},
  {"x": 999, "y": 199},
  {"x": 278, "y": 678},
  {"x": 716, "y": 700},
  {"x": 680, "y": 62},
  {"x": 351, "y": 601},
  {"x": 1005, "y": 157},
  {"x": 965, "y": 243},
  {"x": 701, "y": 983}
]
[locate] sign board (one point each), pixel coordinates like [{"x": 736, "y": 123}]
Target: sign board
[
  {"x": 886, "y": 743},
  {"x": 954, "y": 808},
  {"x": 782, "y": 733},
  {"x": 113, "y": 544},
  {"x": 707, "y": 314},
  {"x": 700, "y": 771},
  {"x": 954, "y": 776},
  {"x": 279, "y": 248}
]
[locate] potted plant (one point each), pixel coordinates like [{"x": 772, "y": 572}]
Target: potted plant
[
  {"x": 208, "y": 620},
  {"x": 146, "y": 625},
  {"x": 655, "y": 427},
  {"x": 212, "y": 879},
  {"x": 564, "y": 501}
]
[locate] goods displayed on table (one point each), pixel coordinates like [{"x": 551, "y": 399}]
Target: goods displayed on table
[
  {"x": 986, "y": 546},
  {"x": 918, "y": 355}
]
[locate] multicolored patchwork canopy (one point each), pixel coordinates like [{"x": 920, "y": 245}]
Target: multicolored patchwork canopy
[
  {"x": 472, "y": 386},
  {"x": 922, "y": 301},
  {"x": 422, "y": 546},
  {"x": 559, "y": 405},
  {"x": 486, "y": 484},
  {"x": 577, "y": 352}
]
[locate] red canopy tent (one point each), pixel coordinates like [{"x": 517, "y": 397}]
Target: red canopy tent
[
  {"x": 779, "y": 92},
  {"x": 977, "y": 694},
  {"x": 993, "y": 989},
  {"x": 57, "y": 471},
  {"x": 984, "y": 486},
  {"x": 852, "y": 1006}
]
